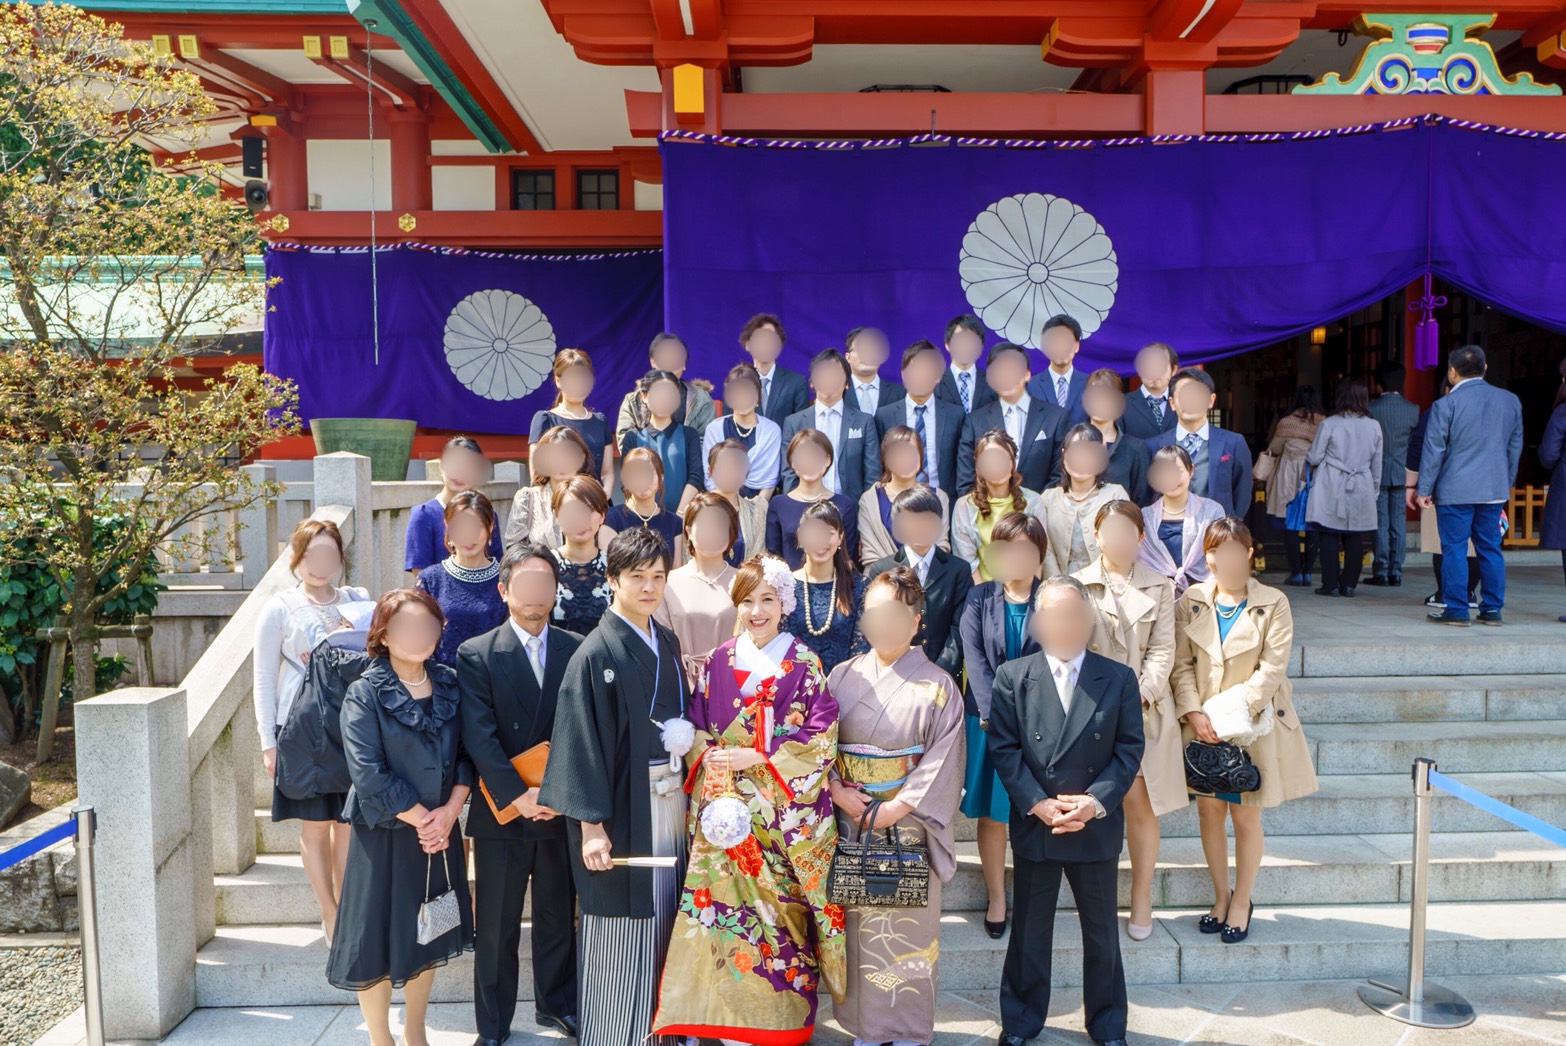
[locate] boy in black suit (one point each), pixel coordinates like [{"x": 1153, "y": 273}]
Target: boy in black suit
[
  {"x": 963, "y": 383},
  {"x": 1065, "y": 735},
  {"x": 782, "y": 390},
  {"x": 917, "y": 525},
  {"x": 508, "y": 679}
]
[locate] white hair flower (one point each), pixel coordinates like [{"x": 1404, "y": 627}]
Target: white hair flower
[{"x": 776, "y": 573}]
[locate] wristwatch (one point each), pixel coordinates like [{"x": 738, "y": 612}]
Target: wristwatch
[{"x": 1098, "y": 808}]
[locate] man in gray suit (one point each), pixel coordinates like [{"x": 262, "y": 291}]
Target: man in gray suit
[
  {"x": 1397, "y": 418},
  {"x": 1472, "y": 446}
]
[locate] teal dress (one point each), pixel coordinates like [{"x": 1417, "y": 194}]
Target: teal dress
[
  {"x": 1224, "y": 624},
  {"x": 983, "y": 794}
]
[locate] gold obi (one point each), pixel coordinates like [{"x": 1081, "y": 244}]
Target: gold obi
[{"x": 879, "y": 772}]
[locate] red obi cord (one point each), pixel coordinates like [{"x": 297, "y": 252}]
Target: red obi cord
[
  {"x": 758, "y": 1036},
  {"x": 756, "y": 709}
]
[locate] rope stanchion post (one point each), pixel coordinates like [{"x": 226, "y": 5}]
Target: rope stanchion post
[
  {"x": 87, "y": 908},
  {"x": 1417, "y": 1003}
]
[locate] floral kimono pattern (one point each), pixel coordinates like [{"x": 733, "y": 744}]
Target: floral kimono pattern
[{"x": 754, "y": 936}]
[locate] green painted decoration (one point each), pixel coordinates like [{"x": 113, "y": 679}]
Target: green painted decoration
[{"x": 1426, "y": 54}]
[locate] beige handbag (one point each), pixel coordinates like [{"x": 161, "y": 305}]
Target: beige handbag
[{"x": 1265, "y": 466}]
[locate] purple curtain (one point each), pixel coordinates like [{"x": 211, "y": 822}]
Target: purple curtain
[
  {"x": 466, "y": 336},
  {"x": 1216, "y": 245}
]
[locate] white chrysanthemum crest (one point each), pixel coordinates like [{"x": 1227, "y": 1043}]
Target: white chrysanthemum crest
[{"x": 499, "y": 344}]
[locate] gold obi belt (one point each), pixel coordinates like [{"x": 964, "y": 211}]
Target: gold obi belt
[{"x": 879, "y": 772}]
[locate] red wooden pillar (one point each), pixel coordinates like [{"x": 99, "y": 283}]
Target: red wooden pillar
[
  {"x": 411, "y": 189},
  {"x": 1174, "y": 101},
  {"x": 287, "y": 170}
]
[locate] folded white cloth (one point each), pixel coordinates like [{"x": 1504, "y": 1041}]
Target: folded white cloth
[{"x": 1232, "y": 719}]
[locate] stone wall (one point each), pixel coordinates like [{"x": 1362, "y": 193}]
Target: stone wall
[{"x": 39, "y": 894}]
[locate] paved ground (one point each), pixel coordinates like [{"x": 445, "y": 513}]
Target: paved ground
[{"x": 1514, "y": 1011}]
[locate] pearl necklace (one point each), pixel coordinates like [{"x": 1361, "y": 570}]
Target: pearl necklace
[
  {"x": 1227, "y": 614},
  {"x": 645, "y": 519},
  {"x": 336, "y": 598},
  {"x": 744, "y": 433},
  {"x": 472, "y": 575},
  {"x": 425, "y": 678},
  {"x": 831, "y": 609}
]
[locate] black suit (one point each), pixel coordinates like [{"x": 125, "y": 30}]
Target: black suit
[
  {"x": 981, "y": 393},
  {"x": 504, "y": 713},
  {"x": 1038, "y": 455},
  {"x": 891, "y": 392},
  {"x": 945, "y": 594},
  {"x": 1139, "y": 422},
  {"x": 790, "y": 394},
  {"x": 1040, "y": 750},
  {"x": 948, "y": 421}
]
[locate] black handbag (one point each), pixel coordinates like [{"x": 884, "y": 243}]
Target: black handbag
[
  {"x": 1222, "y": 767},
  {"x": 879, "y": 875}
]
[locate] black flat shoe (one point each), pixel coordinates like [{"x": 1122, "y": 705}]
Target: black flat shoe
[
  {"x": 1231, "y": 935},
  {"x": 995, "y": 930}
]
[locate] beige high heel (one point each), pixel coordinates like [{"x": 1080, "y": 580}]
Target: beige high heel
[{"x": 1138, "y": 933}]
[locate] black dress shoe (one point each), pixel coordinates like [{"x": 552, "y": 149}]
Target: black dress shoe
[
  {"x": 1233, "y": 935},
  {"x": 1211, "y": 923},
  {"x": 1491, "y": 618},
  {"x": 1110, "y": 1042},
  {"x": 1010, "y": 1040},
  {"x": 1325, "y": 591},
  {"x": 1376, "y": 581},
  {"x": 995, "y": 930},
  {"x": 1346, "y": 593},
  {"x": 564, "y": 1025},
  {"x": 481, "y": 1041},
  {"x": 1395, "y": 581}
]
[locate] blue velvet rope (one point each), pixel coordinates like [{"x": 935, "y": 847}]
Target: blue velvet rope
[
  {"x": 22, "y": 851},
  {"x": 1543, "y": 829}
]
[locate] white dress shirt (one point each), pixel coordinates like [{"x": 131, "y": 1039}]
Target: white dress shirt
[
  {"x": 868, "y": 393},
  {"x": 931, "y": 469},
  {"x": 1204, "y": 433},
  {"x": 1061, "y": 398},
  {"x": 829, "y": 421},
  {"x": 536, "y": 659},
  {"x": 920, "y": 565},
  {"x": 1015, "y": 417}
]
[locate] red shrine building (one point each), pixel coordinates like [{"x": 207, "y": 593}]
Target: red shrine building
[{"x": 532, "y": 124}]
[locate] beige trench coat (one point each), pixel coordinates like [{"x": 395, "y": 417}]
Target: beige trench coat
[
  {"x": 1144, "y": 641},
  {"x": 1255, "y": 657}
]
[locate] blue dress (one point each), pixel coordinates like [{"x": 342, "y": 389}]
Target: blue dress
[
  {"x": 783, "y": 514},
  {"x": 842, "y": 639},
  {"x": 621, "y": 518},
  {"x": 1171, "y": 532},
  {"x": 679, "y": 448},
  {"x": 582, "y": 595},
  {"x": 1224, "y": 625},
  {"x": 983, "y": 794},
  {"x": 593, "y": 429},
  {"x": 425, "y": 543},
  {"x": 469, "y": 598}
]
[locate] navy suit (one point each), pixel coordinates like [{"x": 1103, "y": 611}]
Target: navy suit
[
  {"x": 1038, "y": 456},
  {"x": 789, "y": 394},
  {"x": 1041, "y": 750},
  {"x": 1139, "y": 421},
  {"x": 1229, "y": 479},
  {"x": 948, "y": 420},
  {"x": 858, "y": 460},
  {"x": 981, "y": 393},
  {"x": 891, "y": 392},
  {"x": 945, "y": 595},
  {"x": 983, "y": 629},
  {"x": 1042, "y": 385}
]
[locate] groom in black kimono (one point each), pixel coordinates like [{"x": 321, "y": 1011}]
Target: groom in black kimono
[
  {"x": 1065, "y": 735},
  {"x": 609, "y": 774}
]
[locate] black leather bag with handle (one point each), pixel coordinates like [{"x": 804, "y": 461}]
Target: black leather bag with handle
[
  {"x": 888, "y": 874},
  {"x": 1222, "y": 767}
]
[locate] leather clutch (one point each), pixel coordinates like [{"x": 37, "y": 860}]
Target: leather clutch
[{"x": 530, "y": 767}]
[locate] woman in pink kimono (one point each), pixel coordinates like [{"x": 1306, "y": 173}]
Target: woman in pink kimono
[
  {"x": 755, "y": 936},
  {"x": 900, "y": 740}
]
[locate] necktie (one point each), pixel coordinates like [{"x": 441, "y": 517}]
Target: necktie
[
  {"x": 1157, "y": 403},
  {"x": 535, "y": 656},
  {"x": 1065, "y": 685},
  {"x": 965, "y": 390},
  {"x": 766, "y": 391},
  {"x": 1011, "y": 425},
  {"x": 924, "y": 439},
  {"x": 867, "y": 398},
  {"x": 1060, "y": 391},
  {"x": 1191, "y": 442},
  {"x": 830, "y": 428}
]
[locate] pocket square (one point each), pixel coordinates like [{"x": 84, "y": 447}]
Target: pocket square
[
  {"x": 1225, "y": 457},
  {"x": 1040, "y": 435},
  {"x": 855, "y": 433}
]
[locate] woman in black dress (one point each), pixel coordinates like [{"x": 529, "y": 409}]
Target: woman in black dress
[
  {"x": 573, "y": 372},
  {"x": 582, "y": 595},
  {"x": 403, "y": 740},
  {"x": 828, "y": 592},
  {"x": 810, "y": 456}
]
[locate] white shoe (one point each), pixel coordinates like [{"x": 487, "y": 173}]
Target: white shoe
[{"x": 1138, "y": 933}]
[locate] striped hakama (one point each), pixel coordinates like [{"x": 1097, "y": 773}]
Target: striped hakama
[{"x": 619, "y": 961}]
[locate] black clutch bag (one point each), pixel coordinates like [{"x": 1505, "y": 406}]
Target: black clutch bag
[
  {"x": 879, "y": 875},
  {"x": 1222, "y": 767}
]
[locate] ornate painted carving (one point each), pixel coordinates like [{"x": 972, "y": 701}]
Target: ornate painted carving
[{"x": 1426, "y": 54}]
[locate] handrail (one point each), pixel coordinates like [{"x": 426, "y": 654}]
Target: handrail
[{"x": 221, "y": 678}]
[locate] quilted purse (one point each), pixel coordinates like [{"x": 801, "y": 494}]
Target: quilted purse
[
  {"x": 438, "y": 916},
  {"x": 888, "y": 874},
  {"x": 1222, "y": 767}
]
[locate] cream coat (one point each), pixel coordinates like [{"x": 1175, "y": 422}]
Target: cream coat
[
  {"x": 1140, "y": 634},
  {"x": 1060, "y": 514},
  {"x": 1256, "y": 658}
]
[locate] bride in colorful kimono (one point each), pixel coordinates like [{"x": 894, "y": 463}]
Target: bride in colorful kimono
[
  {"x": 755, "y": 936},
  {"x": 900, "y": 740}
]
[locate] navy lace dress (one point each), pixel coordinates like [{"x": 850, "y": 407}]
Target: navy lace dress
[
  {"x": 839, "y": 640},
  {"x": 582, "y": 595},
  {"x": 470, "y": 599}
]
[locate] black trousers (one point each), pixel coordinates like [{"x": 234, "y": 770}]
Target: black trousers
[
  {"x": 1024, "y": 993},
  {"x": 1352, "y": 544},
  {"x": 502, "y": 871}
]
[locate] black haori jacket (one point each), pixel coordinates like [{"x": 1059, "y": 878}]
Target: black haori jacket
[
  {"x": 598, "y": 757},
  {"x": 310, "y": 758}
]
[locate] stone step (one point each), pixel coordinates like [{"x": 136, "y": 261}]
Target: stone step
[
  {"x": 1369, "y": 748},
  {"x": 1370, "y": 803},
  {"x": 1344, "y": 869},
  {"x": 1409, "y": 699},
  {"x": 1410, "y": 652},
  {"x": 284, "y": 965}
]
